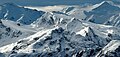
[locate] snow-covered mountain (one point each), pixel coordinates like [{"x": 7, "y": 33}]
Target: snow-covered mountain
[
  {"x": 9, "y": 34},
  {"x": 69, "y": 31},
  {"x": 16, "y": 13},
  {"x": 106, "y": 13},
  {"x": 64, "y": 42}
]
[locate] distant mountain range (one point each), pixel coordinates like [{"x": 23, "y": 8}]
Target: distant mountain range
[{"x": 74, "y": 31}]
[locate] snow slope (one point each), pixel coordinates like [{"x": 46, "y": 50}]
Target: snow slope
[
  {"x": 64, "y": 42},
  {"x": 112, "y": 49},
  {"x": 9, "y": 34}
]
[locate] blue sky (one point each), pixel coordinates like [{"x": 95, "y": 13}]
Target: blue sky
[
  {"x": 48, "y": 2},
  {"x": 51, "y": 2}
]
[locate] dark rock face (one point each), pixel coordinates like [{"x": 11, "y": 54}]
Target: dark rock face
[{"x": 2, "y": 55}]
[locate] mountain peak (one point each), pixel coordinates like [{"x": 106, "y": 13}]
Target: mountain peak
[
  {"x": 15, "y": 13},
  {"x": 102, "y": 13},
  {"x": 86, "y": 31},
  {"x": 106, "y": 5}
]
